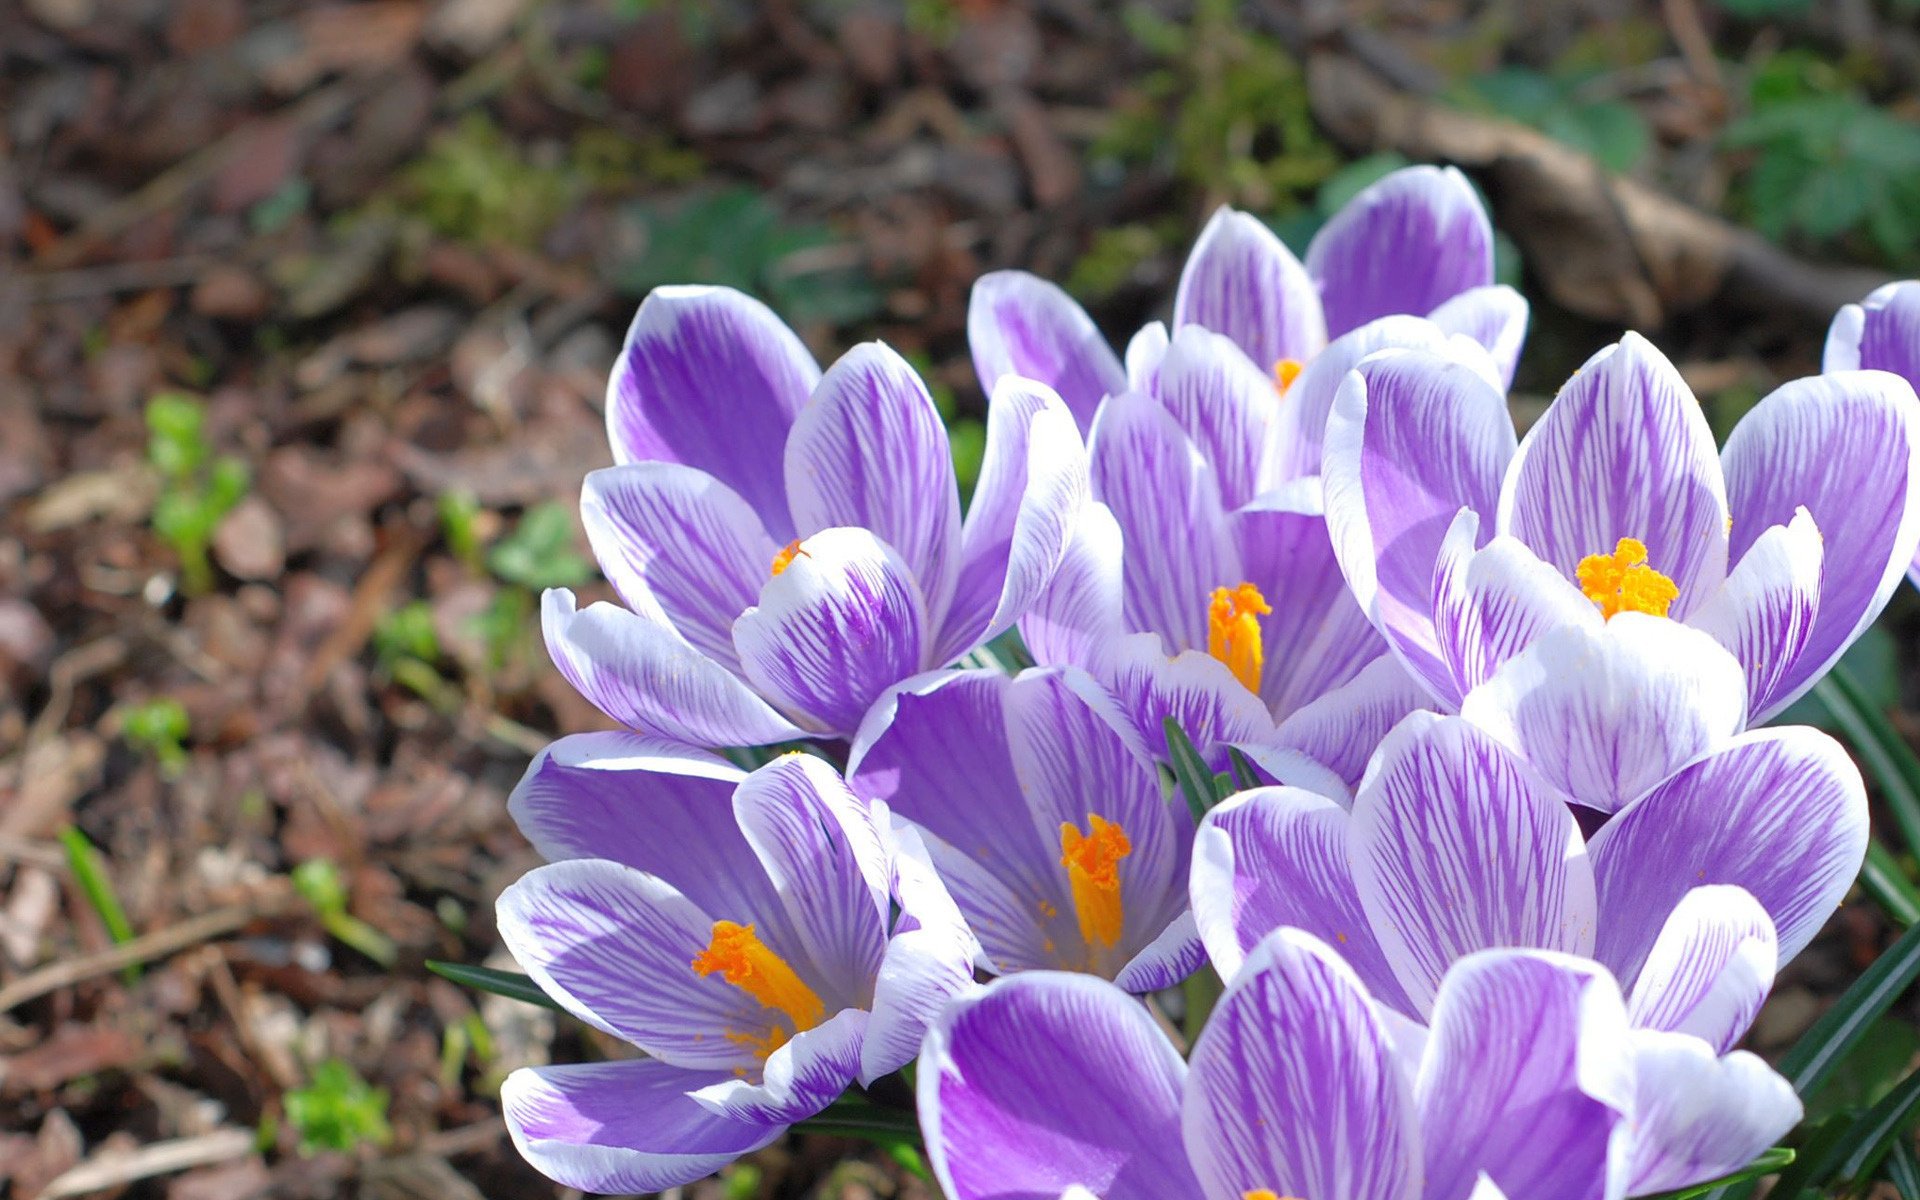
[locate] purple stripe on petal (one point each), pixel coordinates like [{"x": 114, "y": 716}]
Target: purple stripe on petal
[
  {"x": 1603, "y": 712},
  {"x": 1846, "y": 446},
  {"x": 1528, "y": 1079},
  {"x": 803, "y": 1076},
  {"x": 1624, "y": 451},
  {"x": 1406, "y": 244},
  {"x": 1413, "y": 439},
  {"x": 1278, "y": 857},
  {"x": 1212, "y": 707},
  {"x": 615, "y": 948},
  {"x": 622, "y": 1127},
  {"x": 1046, "y": 1082},
  {"x": 829, "y": 866},
  {"x": 841, "y": 624},
  {"x": 1710, "y": 969},
  {"x": 1167, "y": 502},
  {"x": 678, "y": 543},
  {"x": 870, "y": 451},
  {"x": 1026, "y": 507},
  {"x": 1075, "y": 620},
  {"x": 647, "y": 677},
  {"x": 1698, "y": 1118},
  {"x": 1881, "y": 333},
  {"x": 1343, "y": 728},
  {"x": 1225, "y": 403},
  {"x": 1765, "y": 611},
  {"x": 1317, "y": 637},
  {"x": 1166, "y": 960},
  {"x": 711, "y": 378},
  {"x": 1779, "y": 812},
  {"x": 1020, "y": 324},
  {"x": 1144, "y": 354},
  {"x": 1495, "y": 316},
  {"x": 1241, "y": 281},
  {"x": 1490, "y": 604},
  {"x": 1458, "y": 848},
  {"x": 1295, "y": 1086}
]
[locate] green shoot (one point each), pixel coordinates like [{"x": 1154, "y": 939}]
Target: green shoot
[
  {"x": 540, "y": 552},
  {"x": 319, "y": 883},
  {"x": 195, "y": 493},
  {"x": 89, "y": 869},
  {"x": 338, "y": 1110},
  {"x": 158, "y": 727},
  {"x": 406, "y": 634},
  {"x": 460, "y": 526}
]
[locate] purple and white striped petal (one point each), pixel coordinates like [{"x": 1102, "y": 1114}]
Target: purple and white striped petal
[
  {"x": 870, "y": 451},
  {"x": 936, "y": 750},
  {"x": 1845, "y": 446},
  {"x": 1076, "y": 620},
  {"x": 929, "y": 961},
  {"x": 1343, "y": 728},
  {"x": 1145, "y": 350},
  {"x": 829, "y": 867},
  {"x": 1278, "y": 857},
  {"x": 1413, "y": 439},
  {"x": 622, "y": 1127},
  {"x": 1881, "y": 333},
  {"x": 1624, "y": 451},
  {"x": 1020, "y": 324},
  {"x": 1167, "y": 503},
  {"x": 1048, "y": 1082},
  {"x": 1697, "y": 1117},
  {"x": 1765, "y": 611},
  {"x": 1527, "y": 1078},
  {"x": 1490, "y": 604},
  {"x": 647, "y": 677},
  {"x": 1226, "y": 404},
  {"x": 1197, "y": 690},
  {"x": 1780, "y": 812},
  {"x": 1295, "y": 1087},
  {"x": 1407, "y": 244},
  {"x": 1241, "y": 281},
  {"x": 680, "y": 546},
  {"x": 1606, "y": 710},
  {"x": 1710, "y": 969},
  {"x": 1299, "y": 448},
  {"x": 1316, "y": 638},
  {"x": 1495, "y": 316},
  {"x": 1458, "y": 848},
  {"x": 615, "y": 948},
  {"x": 1026, "y": 508},
  {"x": 711, "y": 378},
  {"x": 842, "y": 623},
  {"x": 803, "y": 1076}
]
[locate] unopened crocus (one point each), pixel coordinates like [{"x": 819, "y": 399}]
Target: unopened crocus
[
  {"x": 1720, "y": 871},
  {"x": 763, "y": 938},
  {"x": 1784, "y": 547},
  {"x": 1530, "y": 1083},
  {"x": 1881, "y": 333},
  {"x": 1043, "y": 812},
  {"x": 790, "y": 544}
]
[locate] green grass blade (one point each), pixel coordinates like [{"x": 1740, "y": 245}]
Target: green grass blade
[
  {"x": 89, "y": 869},
  {"x": 1902, "y": 1170},
  {"x": 1773, "y": 1160},
  {"x": 1190, "y": 771},
  {"x": 1814, "y": 1056},
  {"x": 1887, "y": 882},
  {"x": 499, "y": 983},
  {"x": 1882, "y": 750},
  {"x": 1858, "y": 1148}
]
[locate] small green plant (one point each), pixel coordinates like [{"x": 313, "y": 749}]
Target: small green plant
[
  {"x": 1566, "y": 105},
  {"x": 475, "y": 183},
  {"x": 318, "y": 882},
  {"x": 406, "y": 634},
  {"x": 338, "y": 1110},
  {"x": 195, "y": 493},
  {"x": 89, "y": 869},
  {"x": 158, "y": 727},
  {"x": 540, "y": 553}
]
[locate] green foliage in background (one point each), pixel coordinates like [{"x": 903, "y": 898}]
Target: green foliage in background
[
  {"x": 338, "y": 1110},
  {"x": 476, "y": 183},
  {"x": 157, "y": 727},
  {"x": 196, "y": 490},
  {"x": 1569, "y": 105}
]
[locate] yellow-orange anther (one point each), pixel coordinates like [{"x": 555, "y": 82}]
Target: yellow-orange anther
[
  {"x": 1623, "y": 582},
  {"x": 1285, "y": 372},
  {"x": 739, "y": 956},
  {"x": 788, "y": 553},
  {"x": 1233, "y": 632},
  {"x": 1263, "y": 1194},
  {"x": 1092, "y": 861}
]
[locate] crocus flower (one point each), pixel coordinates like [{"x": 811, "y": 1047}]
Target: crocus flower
[
  {"x": 1530, "y": 1083},
  {"x": 1454, "y": 844},
  {"x": 789, "y": 544},
  {"x": 1043, "y": 812},
  {"x": 760, "y": 937},
  {"x": 1881, "y": 333},
  {"x": 1784, "y": 547}
]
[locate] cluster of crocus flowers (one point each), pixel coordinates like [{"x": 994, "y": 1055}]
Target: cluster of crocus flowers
[{"x": 1510, "y": 870}]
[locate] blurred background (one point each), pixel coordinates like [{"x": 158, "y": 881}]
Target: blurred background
[{"x": 305, "y": 320}]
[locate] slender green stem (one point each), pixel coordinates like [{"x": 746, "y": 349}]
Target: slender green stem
[
  {"x": 1887, "y": 882},
  {"x": 1201, "y": 990}
]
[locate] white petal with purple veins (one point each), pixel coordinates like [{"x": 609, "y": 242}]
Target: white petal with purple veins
[
  {"x": 1697, "y": 1117},
  {"x": 1710, "y": 969},
  {"x": 1241, "y": 281},
  {"x": 1020, "y": 324},
  {"x": 1405, "y": 244},
  {"x": 1495, "y": 316},
  {"x": 1491, "y": 603},
  {"x": 1764, "y": 613}
]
